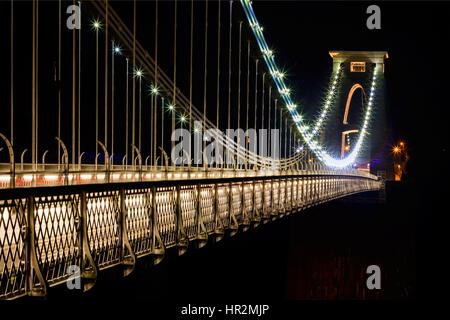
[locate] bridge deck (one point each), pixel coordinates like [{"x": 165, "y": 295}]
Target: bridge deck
[{"x": 44, "y": 230}]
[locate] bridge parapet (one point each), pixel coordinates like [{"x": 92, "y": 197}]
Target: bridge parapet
[
  {"x": 88, "y": 174},
  {"x": 46, "y": 230}
]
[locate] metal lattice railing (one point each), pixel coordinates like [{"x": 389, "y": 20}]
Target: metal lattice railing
[{"x": 46, "y": 231}]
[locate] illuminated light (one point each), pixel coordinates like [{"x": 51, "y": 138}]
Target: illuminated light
[
  {"x": 291, "y": 106},
  {"x": 28, "y": 178},
  {"x": 297, "y": 118},
  {"x": 158, "y": 175},
  {"x": 154, "y": 90},
  {"x": 285, "y": 91},
  {"x": 183, "y": 119},
  {"x": 116, "y": 176},
  {"x": 396, "y": 149},
  {"x": 96, "y": 24},
  {"x": 177, "y": 175},
  {"x": 117, "y": 50},
  {"x": 171, "y": 107},
  {"x": 268, "y": 53},
  {"x": 322, "y": 155},
  {"x": 129, "y": 176},
  {"x": 138, "y": 73},
  {"x": 85, "y": 176},
  {"x": 347, "y": 148},
  {"x": 401, "y": 143},
  {"x": 257, "y": 27},
  {"x": 100, "y": 176},
  {"x": 5, "y": 179},
  {"x": 277, "y": 74},
  {"x": 51, "y": 177}
]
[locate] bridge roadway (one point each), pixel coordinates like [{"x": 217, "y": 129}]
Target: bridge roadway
[{"x": 44, "y": 230}]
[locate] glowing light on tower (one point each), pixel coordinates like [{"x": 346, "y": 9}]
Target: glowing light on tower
[{"x": 320, "y": 153}]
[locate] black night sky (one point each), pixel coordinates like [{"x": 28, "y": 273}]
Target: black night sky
[{"x": 415, "y": 34}]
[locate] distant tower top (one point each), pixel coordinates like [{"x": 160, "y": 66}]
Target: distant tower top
[{"x": 357, "y": 59}]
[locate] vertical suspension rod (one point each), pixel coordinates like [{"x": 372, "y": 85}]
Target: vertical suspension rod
[
  {"x": 204, "y": 79},
  {"x": 106, "y": 72},
  {"x": 156, "y": 86},
  {"x": 229, "y": 63},
  {"x": 190, "y": 80},
  {"x": 79, "y": 90},
  {"x": 133, "y": 128}
]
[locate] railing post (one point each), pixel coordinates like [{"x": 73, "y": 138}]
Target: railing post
[
  {"x": 263, "y": 213},
  {"x": 128, "y": 262},
  {"x": 246, "y": 220},
  {"x": 202, "y": 234},
  {"x": 218, "y": 230},
  {"x": 38, "y": 289},
  {"x": 182, "y": 239},
  {"x": 12, "y": 165},
  {"x": 66, "y": 160},
  {"x": 158, "y": 252},
  {"x": 256, "y": 215},
  {"x": 282, "y": 207},
  {"x": 21, "y": 159},
  {"x": 294, "y": 198},
  {"x": 234, "y": 226},
  {"x": 166, "y": 159},
  {"x": 88, "y": 267}
]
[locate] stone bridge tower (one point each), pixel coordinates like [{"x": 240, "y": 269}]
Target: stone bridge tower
[{"x": 357, "y": 70}]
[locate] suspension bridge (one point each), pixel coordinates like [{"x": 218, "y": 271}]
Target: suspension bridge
[{"x": 136, "y": 166}]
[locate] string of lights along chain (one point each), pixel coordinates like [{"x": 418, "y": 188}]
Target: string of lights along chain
[
  {"x": 329, "y": 100},
  {"x": 285, "y": 92}
]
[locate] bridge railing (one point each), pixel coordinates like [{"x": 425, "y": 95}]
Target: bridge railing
[
  {"x": 48, "y": 233},
  {"x": 55, "y": 175}
]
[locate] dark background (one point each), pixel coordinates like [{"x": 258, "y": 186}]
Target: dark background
[
  {"x": 416, "y": 36},
  {"x": 301, "y": 34}
]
